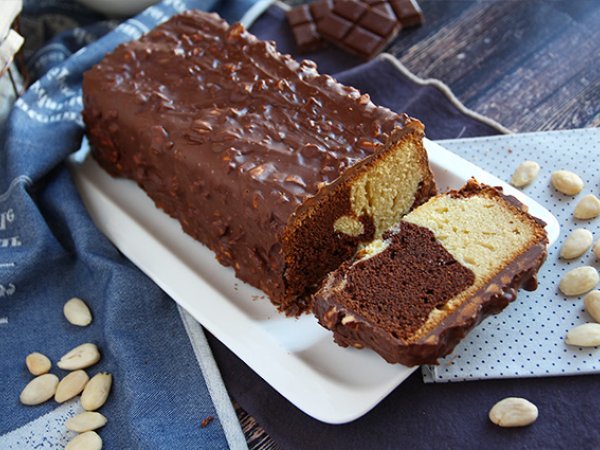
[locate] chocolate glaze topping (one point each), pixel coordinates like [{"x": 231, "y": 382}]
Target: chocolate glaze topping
[
  {"x": 227, "y": 135},
  {"x": 196, "y": 82}
]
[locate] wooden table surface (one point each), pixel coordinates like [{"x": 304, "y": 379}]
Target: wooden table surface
[{"x": 531, "y": 65}]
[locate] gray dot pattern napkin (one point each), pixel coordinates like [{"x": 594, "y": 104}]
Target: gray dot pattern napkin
[{"x": 528, "y": 338}]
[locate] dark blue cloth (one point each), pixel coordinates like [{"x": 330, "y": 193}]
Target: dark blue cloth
[{"x": 51, "y": 251}]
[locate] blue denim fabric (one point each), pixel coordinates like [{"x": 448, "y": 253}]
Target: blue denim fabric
[{"x": 51, "y": 251}]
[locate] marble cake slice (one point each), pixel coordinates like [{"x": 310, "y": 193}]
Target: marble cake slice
[{"x": 415, "y": 293}]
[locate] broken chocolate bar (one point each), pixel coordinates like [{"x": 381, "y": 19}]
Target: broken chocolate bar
[
  {"x": 359, "y": 28},
  {"x": 408, "y": 12},
  {"x": 362, "y": 27}
]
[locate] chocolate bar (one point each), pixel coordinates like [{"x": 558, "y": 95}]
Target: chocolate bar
[
  {"x": 407, "y": 12},
  {"x": 363, "y": 27},
  {"x": 303, "y": 21},
  {"x": 359, "y": 28}
]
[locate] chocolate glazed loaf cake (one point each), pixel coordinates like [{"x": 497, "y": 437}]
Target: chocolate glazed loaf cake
[
  {"x": 414, "y": 294},
  {"x": 281, "y": 171}
]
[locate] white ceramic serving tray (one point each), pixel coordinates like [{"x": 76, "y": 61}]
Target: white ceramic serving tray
[{"x": 295, "y": 356}]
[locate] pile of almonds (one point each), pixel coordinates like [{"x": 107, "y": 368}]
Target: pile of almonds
[
  {"x": 94, "y": 392},
  {"x": 565, "y": 182},
  {"x": 570, "y": 183},
  {"x": 516, "y": 411},
  {"x": 583, "y": 279},
  {"x": 579, "y": 281}
]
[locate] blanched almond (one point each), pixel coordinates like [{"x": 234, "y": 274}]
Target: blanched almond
[
  {"x": 37, "y": 363},
  {"x": 39, "y": 389},
  {"x": 85, "y": 441},
  {"x": 82, "y": 356},
  {"x": 579, "y": 281},
  {"x": 596, "y": 249},
  {"x": 86, "y": 421},
  {"x": 96, "y": 391},
  {"x": 592, "y": 304},
  {"x": 588, "y": 207},
  {"x": 586, "y": 335},
  {"x": 576, "y": 244},
  {"x": 77, "y": 312},
  {"x": 525, "y": 173},
  {"x": 566, "y": 182},
  {"x": 513, "y": 412},
  {"x": 71, "y": 385}
]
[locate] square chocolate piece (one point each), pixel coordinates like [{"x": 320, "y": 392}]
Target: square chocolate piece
[
  {"x": 409, "y": 12},
  {"x": 303, "y": 21}
]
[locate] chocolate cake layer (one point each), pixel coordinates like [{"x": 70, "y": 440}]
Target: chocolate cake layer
[
  {"x": 254, "y": 153},
  {"x": 401, "y": 300},
  {"x": 413, "y": 305}
]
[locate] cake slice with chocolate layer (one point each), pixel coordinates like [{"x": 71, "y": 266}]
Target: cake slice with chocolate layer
[{"x": 415, "y": 293}]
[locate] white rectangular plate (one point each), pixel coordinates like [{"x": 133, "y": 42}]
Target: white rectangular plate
[{"x": 295, "y": 356}]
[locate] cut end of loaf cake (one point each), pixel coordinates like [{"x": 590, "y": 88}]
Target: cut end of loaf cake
[
  {"x": 391, "y": 186},
  {"x": 412, "y": 295},
  {"x": 355, "y": 209}
]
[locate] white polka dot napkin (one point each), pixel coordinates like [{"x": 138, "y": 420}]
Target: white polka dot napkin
[{"x": 528, "y": 338}]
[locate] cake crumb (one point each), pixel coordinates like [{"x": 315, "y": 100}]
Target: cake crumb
[{"x": 206, "y": 421}]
